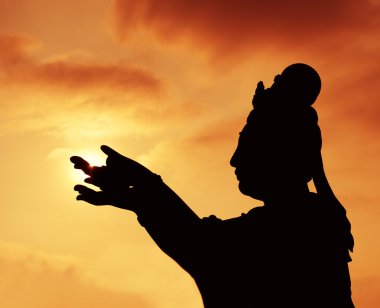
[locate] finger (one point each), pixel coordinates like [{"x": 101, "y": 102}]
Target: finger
[
  {"x": 83, "y": 189},
  {"x": 91, "y": 196},
  {"x": 77, "y": 160},
  {"x": 96, "y": 198},
  {"x": 88, "y": 180},
  {"x": 98, "y": 176},
  {"x": 95, "y": 179},
  {"x": 80, "y": 163}
]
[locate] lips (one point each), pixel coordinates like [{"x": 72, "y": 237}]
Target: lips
[{"x": 243, "y": 175}]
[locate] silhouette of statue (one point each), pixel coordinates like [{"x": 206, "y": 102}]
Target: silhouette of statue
[{"x": 291, "y": 252}]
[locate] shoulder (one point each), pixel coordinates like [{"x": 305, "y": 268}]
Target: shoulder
[
  {"x": 256, "y": 212},
  {"x": 255, "y": 216}
]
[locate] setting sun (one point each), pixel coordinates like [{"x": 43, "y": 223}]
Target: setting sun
[{"x": 93, "y": 158}]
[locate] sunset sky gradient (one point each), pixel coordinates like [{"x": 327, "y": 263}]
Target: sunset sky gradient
[{"x": 168, "y": 83}]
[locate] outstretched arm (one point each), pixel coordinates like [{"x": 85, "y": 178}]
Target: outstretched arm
[{"x": 126, "y": 184}]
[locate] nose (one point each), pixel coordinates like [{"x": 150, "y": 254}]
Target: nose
[{"x": 233, "y": 159}]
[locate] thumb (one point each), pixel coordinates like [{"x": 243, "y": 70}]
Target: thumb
[
  {"x": 115, "y": 158},
  {"x": 109, "y": 151}
]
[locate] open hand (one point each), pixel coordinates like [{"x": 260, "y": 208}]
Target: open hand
[{"x": 121, "y": 181}]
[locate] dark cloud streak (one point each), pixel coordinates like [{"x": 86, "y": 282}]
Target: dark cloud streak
[
  {"x": 235, "y": 25},
  {"x": 18, "y": 66}
]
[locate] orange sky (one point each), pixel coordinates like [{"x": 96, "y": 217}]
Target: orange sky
[{"x": 168, "y": 83}]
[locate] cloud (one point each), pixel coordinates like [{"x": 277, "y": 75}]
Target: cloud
[
  {"x": 71, "y": 95},
  {"x": 18, "y": 66},
  {"x": 77, "y": 95},
  {"x": 230, "y": 26},
  {"x": 218, "y": 133},
  {"x": 32, "y": 279},
  {"x": 360, "y": 92}
]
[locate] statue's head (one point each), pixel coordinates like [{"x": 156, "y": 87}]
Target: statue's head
[
  {"x": 278, "y": 145},
  {"x": 299, "y": 83}
]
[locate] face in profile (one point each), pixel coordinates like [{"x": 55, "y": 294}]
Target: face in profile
[
  {"x": 255, "y": 163},
  {"x": 247, "y": 161},
  {"x": 255, "y": 159}
]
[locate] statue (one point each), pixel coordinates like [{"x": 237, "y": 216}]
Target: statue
[{"x": 291, "y": 252}]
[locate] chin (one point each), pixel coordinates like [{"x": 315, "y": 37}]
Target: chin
[{"x": 249, "y": 191}]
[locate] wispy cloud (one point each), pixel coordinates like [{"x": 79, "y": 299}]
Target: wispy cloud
[
  {"x": 36, "y": 279},
  {"x": 19, "y": 66}
]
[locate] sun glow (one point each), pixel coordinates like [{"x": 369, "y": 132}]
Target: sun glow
[{"x": 93, "y": 158}]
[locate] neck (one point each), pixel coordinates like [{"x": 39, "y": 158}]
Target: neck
[{"x": 288, "y": 194}]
